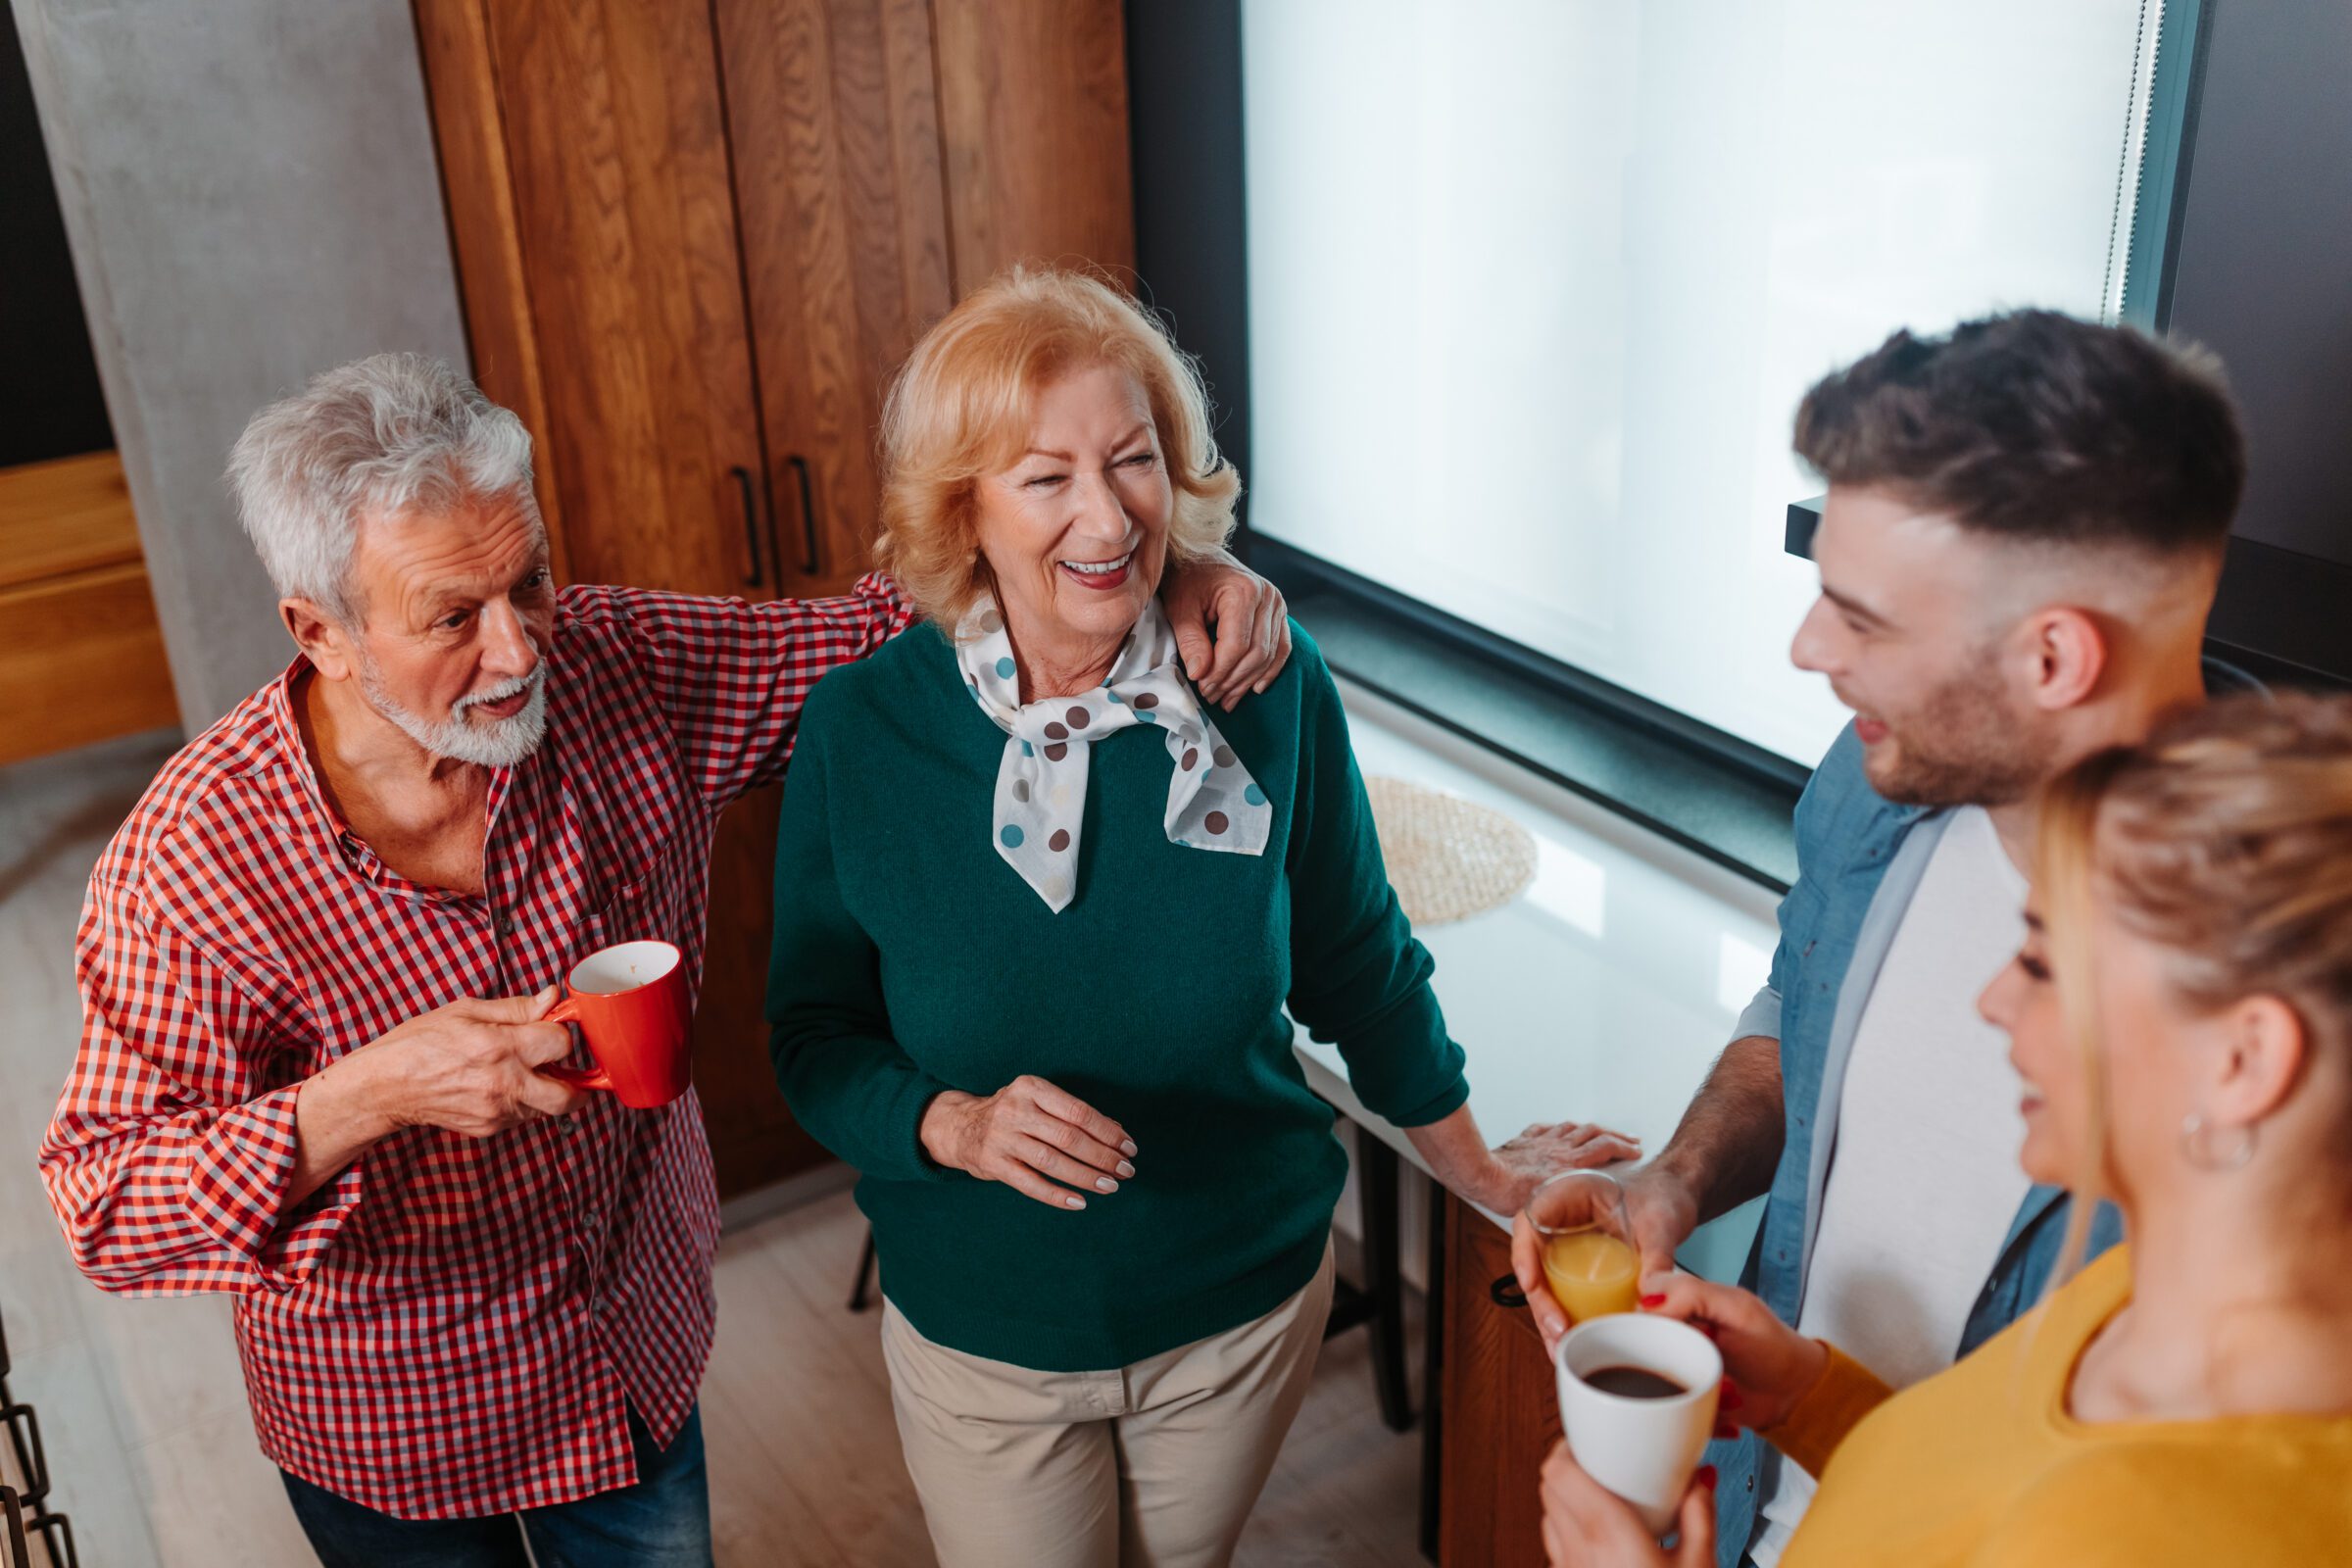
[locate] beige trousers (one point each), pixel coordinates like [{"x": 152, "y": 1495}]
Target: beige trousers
[{"x": 1152, "y": 1465}]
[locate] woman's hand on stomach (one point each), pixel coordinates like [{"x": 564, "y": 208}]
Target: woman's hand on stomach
[{"x": 1041, "y": 1141}]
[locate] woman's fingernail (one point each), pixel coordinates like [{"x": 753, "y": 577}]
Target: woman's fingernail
[
  {"x": 1731, "y": 1395},
  {"x": 1125, "y": 1170},
  {"x": 1074, "y": 1201},
  {"x": 1128, "y": 1147},
  {"x": 1104, "y": 1184},
  {"x": 1706, "y": 1476},
  {"x": 1650, "y": 1302}
]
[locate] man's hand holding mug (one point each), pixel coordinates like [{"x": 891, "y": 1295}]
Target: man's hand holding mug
[
  {"x": 1662, "y": 1212},
  {"x": 479, "y": 1066},
  {"x": 471, "y": 1068}
]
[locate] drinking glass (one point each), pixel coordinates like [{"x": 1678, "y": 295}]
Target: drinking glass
[{"x": 1590, "y": 1259}]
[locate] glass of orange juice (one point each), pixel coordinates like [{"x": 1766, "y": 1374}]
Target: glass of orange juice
[{"x": 1590, "y": 1259}]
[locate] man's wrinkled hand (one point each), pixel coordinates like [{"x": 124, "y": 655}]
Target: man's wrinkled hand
[
  {"x": 1252, "y": 623},
  {"x": 1544, "y": 1150},
  {"x": 470, "y": 1067}
]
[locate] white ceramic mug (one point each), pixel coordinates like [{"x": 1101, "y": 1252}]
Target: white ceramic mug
[{"x": 1643, "y": 1449}]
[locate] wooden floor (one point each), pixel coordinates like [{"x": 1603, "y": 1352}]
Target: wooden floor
[{"x": 143, "y": 1411}]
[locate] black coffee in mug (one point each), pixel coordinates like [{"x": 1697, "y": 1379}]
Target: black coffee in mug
[{"x": 1634, "y": 1383}]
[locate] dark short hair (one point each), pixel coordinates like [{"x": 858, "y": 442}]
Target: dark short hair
[{"x": 2033, "y": 425}]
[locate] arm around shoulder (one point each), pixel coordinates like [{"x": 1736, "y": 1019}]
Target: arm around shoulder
[{"x": 730, "y": 677}]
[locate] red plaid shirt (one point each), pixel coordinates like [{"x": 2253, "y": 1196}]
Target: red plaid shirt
[{"x": 452, "y": 1327}]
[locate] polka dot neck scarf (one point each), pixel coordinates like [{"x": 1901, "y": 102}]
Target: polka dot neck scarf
[{"x": 1040, "y": 810}]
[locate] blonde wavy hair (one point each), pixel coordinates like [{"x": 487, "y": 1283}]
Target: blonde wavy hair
[
  {"x": 2226, "y": 840},
  {"x": 961, "y": 407}
]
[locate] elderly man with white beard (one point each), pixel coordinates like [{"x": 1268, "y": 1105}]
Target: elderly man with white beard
[{"x": 474, "y": 1302}]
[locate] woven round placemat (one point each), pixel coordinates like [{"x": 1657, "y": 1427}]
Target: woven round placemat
[{"x": 1449, "y": 859}]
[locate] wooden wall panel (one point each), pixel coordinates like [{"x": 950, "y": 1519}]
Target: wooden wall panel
[
  {"x": 694, "y": 241},
  {"x": 82, "y": 662},
  {"x": 82, "y": 658},
  {"x": 1033, "y": 115},
  {"x": 844, "y": 245},
  {"x": 591, "y": 208},
  {"x": 622, "y": 230},
  {"x": 461, "y": 86}
]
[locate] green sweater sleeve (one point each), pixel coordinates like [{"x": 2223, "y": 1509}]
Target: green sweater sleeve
[
  {"x": 1359, "y": 977},
  {"x": 848, "y": 1081}
]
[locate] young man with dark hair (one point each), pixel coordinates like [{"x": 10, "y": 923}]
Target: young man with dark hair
[{"x": 2023, "y": 533}]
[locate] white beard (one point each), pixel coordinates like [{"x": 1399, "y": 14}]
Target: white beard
[{"x": 495, "y": 742}]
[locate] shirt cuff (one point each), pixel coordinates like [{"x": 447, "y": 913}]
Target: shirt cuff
[
  {"x": 237, "y": 1186},
  {"x": 1845, "y": 1391}
]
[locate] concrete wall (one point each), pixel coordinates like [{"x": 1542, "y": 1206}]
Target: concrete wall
[{"x": 252, "y": 196}]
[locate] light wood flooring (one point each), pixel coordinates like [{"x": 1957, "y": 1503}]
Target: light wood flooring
[{"x": 143, "y": 1408}]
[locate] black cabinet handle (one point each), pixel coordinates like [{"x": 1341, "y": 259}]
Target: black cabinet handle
[
  {"x": 1505, "y": 1291},
  {"x": 750, "y": 521},
  {"x": 799, "y": 471}
]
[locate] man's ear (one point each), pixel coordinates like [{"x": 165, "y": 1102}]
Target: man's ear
[
  {"x": 322, "y": 640},
  {"x": 2066, "y": 652}
]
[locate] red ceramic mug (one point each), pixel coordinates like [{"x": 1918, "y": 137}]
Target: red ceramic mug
[{"x": 629, "y": 1002}]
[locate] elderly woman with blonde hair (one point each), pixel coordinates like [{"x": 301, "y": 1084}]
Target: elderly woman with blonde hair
[{"x": 1038, "y": 919}]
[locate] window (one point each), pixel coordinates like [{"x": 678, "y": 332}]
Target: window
[{"x": 1534, "y": 285}]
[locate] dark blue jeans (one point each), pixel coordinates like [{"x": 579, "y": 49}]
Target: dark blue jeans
[{"x": 663, "y": 1520}]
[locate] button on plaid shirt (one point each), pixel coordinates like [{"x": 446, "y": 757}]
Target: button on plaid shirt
[{"x": 450, "y": 1327}]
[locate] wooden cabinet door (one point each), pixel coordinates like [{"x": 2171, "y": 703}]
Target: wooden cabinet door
[
  {"x": 1500, "y": 1413},
  {"x": 1033, "y": 115},
  {"x": 584, "y": 154},
  {"x": 610, "y": 138},
  {"x": 835, "y": 129},
  {"x": 694, "y": 241},
  {"x": 890, "y": 157}
]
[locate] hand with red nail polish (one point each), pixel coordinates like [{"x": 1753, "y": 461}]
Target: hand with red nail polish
[
  {"x": 1650, "y": 1303},
  {"x": 1767, "y": 1365},
  {"x": 1586, "y": 1526}
]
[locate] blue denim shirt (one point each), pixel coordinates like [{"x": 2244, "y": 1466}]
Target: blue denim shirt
[{"x": 1859, "y": 858}]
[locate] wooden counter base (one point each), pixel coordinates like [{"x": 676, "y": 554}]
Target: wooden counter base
[{"x": 1498, "y": 1415}]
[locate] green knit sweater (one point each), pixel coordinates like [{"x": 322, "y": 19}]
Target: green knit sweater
[{"x": 909, "y": 959}]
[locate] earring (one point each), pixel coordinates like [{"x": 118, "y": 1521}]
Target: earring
[{"x": 2205, "y": 1146}]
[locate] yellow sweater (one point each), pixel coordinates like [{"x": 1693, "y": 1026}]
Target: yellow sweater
[{"x": 1982, "y": 1467}]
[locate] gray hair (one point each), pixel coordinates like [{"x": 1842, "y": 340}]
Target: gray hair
[{"x": 389, "y": 433}]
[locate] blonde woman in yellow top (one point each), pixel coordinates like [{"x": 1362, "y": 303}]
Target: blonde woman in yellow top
[{"x": 2180, "y": 1016}]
